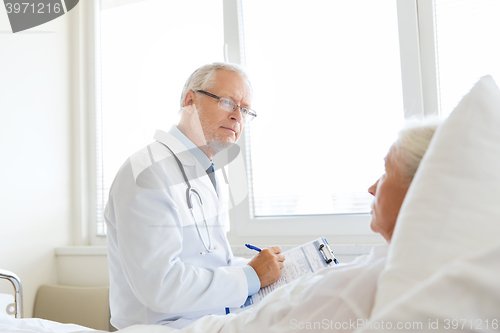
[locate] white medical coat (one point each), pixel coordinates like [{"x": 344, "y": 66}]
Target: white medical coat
[{"x": 159, "y": 269}]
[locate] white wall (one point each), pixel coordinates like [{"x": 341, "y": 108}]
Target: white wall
[{"x": 35, "y": 155}]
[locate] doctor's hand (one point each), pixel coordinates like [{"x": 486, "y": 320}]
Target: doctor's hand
[{"x": 267, "y": 265}]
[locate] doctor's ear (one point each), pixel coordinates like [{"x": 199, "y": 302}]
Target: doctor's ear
[
  {"x": 190, "y": 98},
  {"x": 189, "y": 102}
]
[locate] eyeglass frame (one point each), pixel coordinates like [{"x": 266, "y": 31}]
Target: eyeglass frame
[{"x": 247, "y": 112}]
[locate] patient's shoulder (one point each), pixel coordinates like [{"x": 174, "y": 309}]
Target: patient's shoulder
[{"x": 377, "y": 252}]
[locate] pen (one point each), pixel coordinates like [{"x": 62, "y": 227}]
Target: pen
[{"x": 251, "y": 247}]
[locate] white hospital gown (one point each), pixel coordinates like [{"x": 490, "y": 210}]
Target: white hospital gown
[{"x": 338, "y": 299}]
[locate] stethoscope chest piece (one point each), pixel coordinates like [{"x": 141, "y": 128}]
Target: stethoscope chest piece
[{"x": 211, "y": 251}]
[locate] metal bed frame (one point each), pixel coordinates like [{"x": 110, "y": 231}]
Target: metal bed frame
[{"x": 18, "y": 298}]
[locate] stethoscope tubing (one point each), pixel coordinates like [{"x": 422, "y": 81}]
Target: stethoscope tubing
[{"x": 189, "y": 192}]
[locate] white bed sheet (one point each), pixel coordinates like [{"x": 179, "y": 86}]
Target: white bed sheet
[{"x": 9, "y": 324}]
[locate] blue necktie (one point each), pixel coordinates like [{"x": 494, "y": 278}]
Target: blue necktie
[{"x": 211, "y": 175}]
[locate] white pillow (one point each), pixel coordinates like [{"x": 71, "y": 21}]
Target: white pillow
[{"x": 453, "y": 205}]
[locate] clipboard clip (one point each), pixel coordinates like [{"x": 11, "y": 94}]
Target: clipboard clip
[{"x": 327, "y": 254}]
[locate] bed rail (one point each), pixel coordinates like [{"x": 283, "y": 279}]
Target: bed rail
[{"x": 16, "y": 282}]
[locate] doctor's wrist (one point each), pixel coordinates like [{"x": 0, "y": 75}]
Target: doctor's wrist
[{"x": 253, "y": 280}]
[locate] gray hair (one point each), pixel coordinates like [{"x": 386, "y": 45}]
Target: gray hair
[
  {"x": 204, "y": 77},
  {"x": 412, "y": 143}
]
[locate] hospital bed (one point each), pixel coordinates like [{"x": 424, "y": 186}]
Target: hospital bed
[
  {"x": 18, "y": 298},
  {"x": 87, "y": 306}
]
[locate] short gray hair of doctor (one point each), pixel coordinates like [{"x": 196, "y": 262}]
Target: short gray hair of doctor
[
  {"x": 412, "y": 143},
  {"x": 204, "y": 77}
]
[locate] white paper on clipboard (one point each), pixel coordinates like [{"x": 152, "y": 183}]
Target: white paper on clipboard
[{"x": 299, "y": 261}]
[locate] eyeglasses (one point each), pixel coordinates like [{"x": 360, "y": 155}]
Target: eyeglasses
[{"x": 229, "y": 106}]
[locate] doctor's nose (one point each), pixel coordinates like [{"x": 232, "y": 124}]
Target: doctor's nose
[{"x": 236, "y": 114}]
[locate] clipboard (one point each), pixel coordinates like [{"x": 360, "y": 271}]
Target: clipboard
[{"x": 299, "y": 261}]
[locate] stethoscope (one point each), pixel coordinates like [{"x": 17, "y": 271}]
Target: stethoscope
[{"x": 189, "y": 193}]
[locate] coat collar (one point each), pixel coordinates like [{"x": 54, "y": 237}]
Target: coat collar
[
  {"x": 183, "y": 153},
  {"x": 187, "y": 158},
  {"x": 202, "y": 158}
]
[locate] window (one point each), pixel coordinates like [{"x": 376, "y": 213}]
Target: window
[
  {"x": 467, "y": 47},
  {"x": 333, "y": 81},
  {"x": 327, "y": 84},
  {"x": 147, "y": 51}
]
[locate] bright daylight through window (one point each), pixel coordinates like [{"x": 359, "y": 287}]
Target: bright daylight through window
[
  {"x": 327, "y": 85},
  {"x": 326, "y": 78},
  {"x": 467, "y": 35},
  {"x": 147, "y": 52}
]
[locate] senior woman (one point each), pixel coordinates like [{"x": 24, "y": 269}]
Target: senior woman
[
  {"x": 401, "y": 164},
  {"x": 338, "y": 298}
]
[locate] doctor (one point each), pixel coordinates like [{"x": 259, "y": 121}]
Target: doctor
[{"x": 169, "y": 264}]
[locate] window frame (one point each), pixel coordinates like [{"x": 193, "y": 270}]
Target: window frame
[
  {"x": 84, "y": 125},
  {"x": 420, "y": 92},
  {"x": 95, "y": 238},
  {"x": 418, "y": 70}
]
